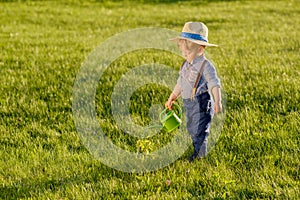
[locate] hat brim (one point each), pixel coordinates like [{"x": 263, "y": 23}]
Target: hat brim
[{"x": 194, "y": 41}]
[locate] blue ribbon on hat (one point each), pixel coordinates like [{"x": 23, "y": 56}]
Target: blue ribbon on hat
[{"x": 193, "y": 36}]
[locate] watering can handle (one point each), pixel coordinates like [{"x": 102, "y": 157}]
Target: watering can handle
[
  {"x": 160, "y": 115},
  {"x": 178, "y": 108}
]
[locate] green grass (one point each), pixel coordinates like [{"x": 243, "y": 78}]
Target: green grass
[{"x": 43, "y": 45}]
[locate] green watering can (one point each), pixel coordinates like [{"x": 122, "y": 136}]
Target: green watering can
[{"x": 169, "y": 119}]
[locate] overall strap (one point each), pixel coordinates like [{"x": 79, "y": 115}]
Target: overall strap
[
  {"x": 182, "y": 65},
  {"x": 198, "y": 79}
]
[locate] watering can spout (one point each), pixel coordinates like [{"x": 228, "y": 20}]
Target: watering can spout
[{"x": 169, "y": 119}]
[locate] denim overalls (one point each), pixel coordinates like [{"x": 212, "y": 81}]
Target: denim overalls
[
  {"x": 199, "y": 111},
  {"x": 199, "y": 114}
]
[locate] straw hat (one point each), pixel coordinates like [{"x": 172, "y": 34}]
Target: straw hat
[{"x": 196, "y": 32}]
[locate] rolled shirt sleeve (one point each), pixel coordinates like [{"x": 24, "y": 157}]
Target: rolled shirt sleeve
[{"x": 210, "y": 75}]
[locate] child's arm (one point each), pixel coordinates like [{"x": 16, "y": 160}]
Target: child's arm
[
  {"x": 217, "y": 98},
  {"x": 173, "y": 96}
]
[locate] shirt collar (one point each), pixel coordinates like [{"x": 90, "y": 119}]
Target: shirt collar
[{"x": 197, "y": 59}]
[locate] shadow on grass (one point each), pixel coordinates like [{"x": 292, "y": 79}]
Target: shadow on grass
[
  {"x": 167, "y": 1},
  {"x": 31, "y": 187},
  {"x": 146, "y": 1}
]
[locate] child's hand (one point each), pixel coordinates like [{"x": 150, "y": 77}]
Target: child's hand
[
  {"x": 218, "y": 107},
  {"x": 169, "y": 104},
  {"x": 217, "y": 97},
  {"x": 170, "y": 101}
]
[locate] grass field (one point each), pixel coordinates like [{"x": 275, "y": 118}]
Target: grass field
[{"x": 43, "y": 45}]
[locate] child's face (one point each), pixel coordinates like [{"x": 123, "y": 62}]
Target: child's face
[{"x": 189, "y": 49}]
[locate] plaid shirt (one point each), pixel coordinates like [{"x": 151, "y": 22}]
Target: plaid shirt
[{"x": 188, "y": 75}]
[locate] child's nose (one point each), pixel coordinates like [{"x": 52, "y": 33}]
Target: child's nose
[{"x": 180, "y": 46}]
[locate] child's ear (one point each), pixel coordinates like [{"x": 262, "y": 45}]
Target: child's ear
[{"x": 201, "y": 48}]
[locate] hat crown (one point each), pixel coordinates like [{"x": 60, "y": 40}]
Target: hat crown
[
  {"x": 196, "y": 32},
  {"x": 196, "y": 28}
]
